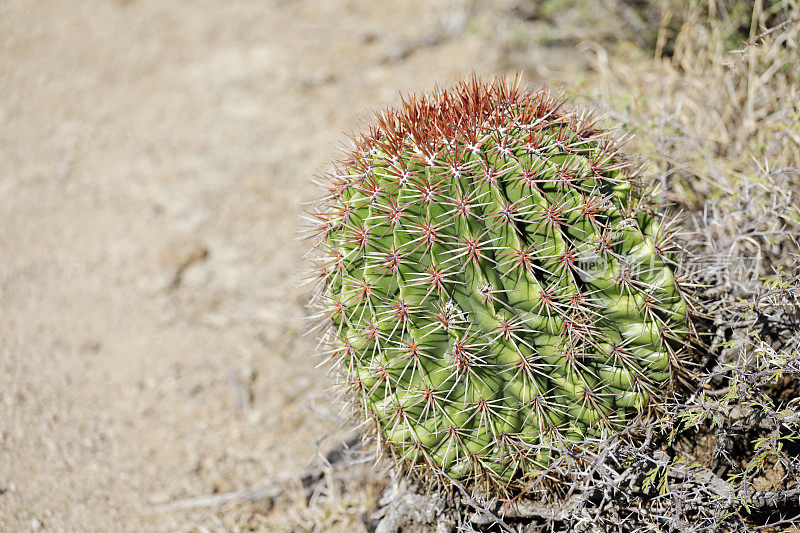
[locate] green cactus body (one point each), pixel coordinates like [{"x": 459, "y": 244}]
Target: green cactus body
[{"x": 493, "y": 285}]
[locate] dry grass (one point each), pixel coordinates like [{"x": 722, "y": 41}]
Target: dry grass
[{"x": 710, "y": 117}]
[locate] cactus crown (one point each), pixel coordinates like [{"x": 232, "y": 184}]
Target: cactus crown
[{"x": 492, "y": 285}]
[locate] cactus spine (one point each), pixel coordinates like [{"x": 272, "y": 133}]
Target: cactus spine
[{"x": 492, "y": 285}]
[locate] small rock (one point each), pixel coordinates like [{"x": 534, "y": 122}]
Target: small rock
[{"x": 181, "y": 256}]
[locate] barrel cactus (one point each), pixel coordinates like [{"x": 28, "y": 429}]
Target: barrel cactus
[{"x": 494, "y": 288}]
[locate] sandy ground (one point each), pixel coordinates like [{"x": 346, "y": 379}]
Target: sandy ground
[{"x": 153, "y": 158}]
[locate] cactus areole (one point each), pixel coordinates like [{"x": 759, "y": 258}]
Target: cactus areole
[{"x": 494, "y": 287}]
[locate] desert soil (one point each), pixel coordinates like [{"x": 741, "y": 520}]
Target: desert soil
[{"x": 153, "y": 161}]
